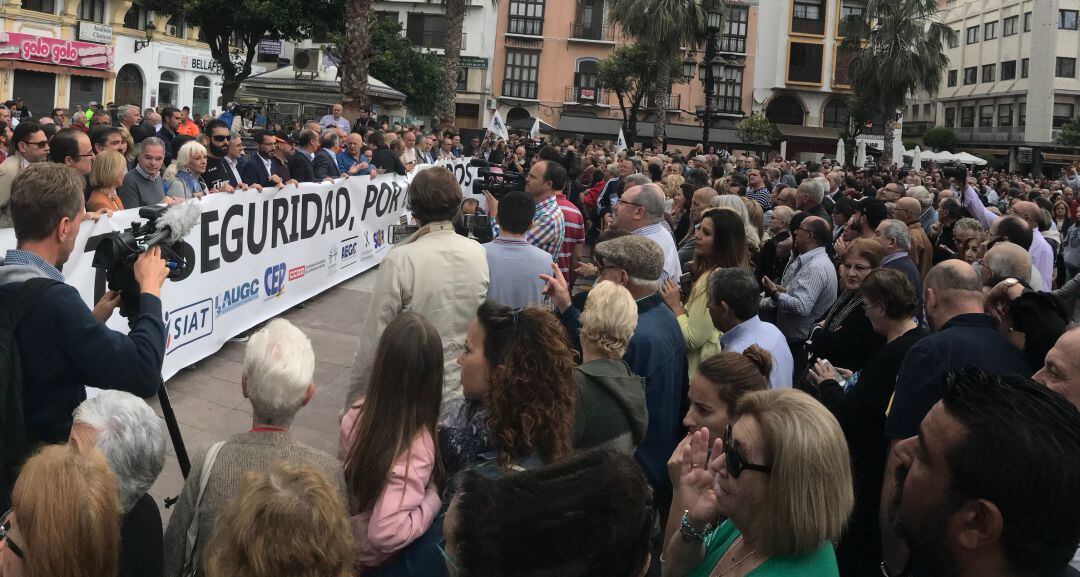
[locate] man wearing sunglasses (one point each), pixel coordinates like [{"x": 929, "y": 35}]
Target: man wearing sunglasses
[
  {"x": 217, "y": 175},
  {"x": 30, "y": 146}
]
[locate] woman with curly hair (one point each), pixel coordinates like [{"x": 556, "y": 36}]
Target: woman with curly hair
[
  {"x": 610, "y": 409},
  {"x": 518, "y": 367}
]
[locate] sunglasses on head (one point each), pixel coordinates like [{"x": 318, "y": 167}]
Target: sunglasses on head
[{"x": 735, "y": 462}]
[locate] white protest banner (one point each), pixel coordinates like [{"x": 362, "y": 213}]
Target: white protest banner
[{"x": 257, "y": 254}]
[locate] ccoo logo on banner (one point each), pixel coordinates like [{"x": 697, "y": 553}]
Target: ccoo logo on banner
[{"x": 258, "y": 254}]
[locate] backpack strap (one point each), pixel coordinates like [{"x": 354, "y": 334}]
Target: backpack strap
[{"x": 26, "y": 295}]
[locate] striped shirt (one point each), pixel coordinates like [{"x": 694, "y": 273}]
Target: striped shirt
[
  {"x": 762, "y": 196},
  {"x": 546, "y": 231},
  {"x": 573, "y": 232}
]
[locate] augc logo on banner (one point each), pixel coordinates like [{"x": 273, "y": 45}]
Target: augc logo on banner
[{"x": 274, "y": 280}]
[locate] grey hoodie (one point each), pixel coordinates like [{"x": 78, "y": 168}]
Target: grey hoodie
[{"x": 610, "y": 410}]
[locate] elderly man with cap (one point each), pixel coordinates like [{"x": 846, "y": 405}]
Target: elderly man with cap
[{"x": 657, "y": 351}]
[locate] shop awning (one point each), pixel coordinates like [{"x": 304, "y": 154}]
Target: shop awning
[
  {"x": 50, "y": 69},
  {"x": 1060, "y": 158},
  {"x": 794, "y": 131},
  {"x": 681, "y": 134}
]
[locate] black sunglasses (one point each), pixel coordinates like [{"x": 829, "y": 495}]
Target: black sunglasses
[
  {"x": 735, "y": 462},
  {"x": 5, "y": 526},
  {"x": 219, "y": 138}
]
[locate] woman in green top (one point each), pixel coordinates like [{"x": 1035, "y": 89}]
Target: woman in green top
[
  {"x": 775, "y": 495},
  {"x": 721, "y": 243}
]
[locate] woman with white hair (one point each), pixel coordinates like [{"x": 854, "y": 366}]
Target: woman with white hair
[
  {"x": 190, "y": 167},
  {"x": 279, "y": 367},
  {"x": 610, "y": 411},
  {"x": 130, "y": 436}
]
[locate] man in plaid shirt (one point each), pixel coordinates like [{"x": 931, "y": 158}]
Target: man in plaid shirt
[{"x": 546, "y": 232}]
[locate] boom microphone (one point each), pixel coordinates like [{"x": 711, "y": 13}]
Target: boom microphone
[{"x": 175, "y": 223}]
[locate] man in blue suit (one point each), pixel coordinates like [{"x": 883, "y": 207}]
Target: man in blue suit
[
  {"x": 324, "y": 162},
  {"x": 300, "y": 166},
  {"x": 262, "y": 167}
]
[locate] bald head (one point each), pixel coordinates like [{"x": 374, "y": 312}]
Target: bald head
[
  {"x": 787, "y": 197},
  {"x": 1027, "y": 210},
  {"x": 911, "y": 208},
  {"x": 1061, "y": 371},
  {"x": 951, "y": 288},
  {"x": 1005, "y": 260}
]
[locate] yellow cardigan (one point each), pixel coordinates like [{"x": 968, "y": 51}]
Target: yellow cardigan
[{"x": 702, "y": 338}]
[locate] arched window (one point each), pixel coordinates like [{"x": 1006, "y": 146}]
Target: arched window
[
  {"x": 92, "y": 11},
  {"x": 136, "y": 17},
  {"x": 835, "y": 116},
  {"x": 168, "y": 89},
  {"x": 785, "y": 109},
  {"x": 200, "y": 96}
]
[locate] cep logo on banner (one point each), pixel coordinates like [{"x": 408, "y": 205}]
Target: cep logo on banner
[
  {"x": 188, "y": 324},
  {"x": 274, "y": 280}
]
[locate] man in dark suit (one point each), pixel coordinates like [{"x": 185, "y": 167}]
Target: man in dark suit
[
  {"x": 300, "y": 166},
  {"x": 262, "y": 167},
  {"x": 894, "y": 237},
  {"x": 324, "y": 162},
  {"x": 170, "y": 123}
]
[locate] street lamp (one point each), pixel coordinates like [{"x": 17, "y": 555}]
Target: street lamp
[
  {"x": 711, "y": 69},
  {"x": 140, "y": 44},
  {"x": 688, "y": 68}
]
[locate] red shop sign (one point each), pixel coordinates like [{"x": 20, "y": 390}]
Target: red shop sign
[{"x": 19, "y": 46}]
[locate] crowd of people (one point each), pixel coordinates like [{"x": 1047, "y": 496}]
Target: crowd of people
[{"x": 642, "y": 363}]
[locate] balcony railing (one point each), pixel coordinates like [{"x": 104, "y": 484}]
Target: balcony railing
[
  {"x": 988, "y": 133},
  {"x": 527, "y": 26},
  {"x": 432, "y": 39},
  {"x": 917, "y": 127},
  {"x": 807, "y": 26},
  {"x": 586, "y": 95},
  {"x": 595, "y": 31},
  {"x": 674, "y": 102}
]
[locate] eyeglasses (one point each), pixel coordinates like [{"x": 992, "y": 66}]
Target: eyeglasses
[
  {"x": 807, "y": 231},
  {"x": 857, "y": 267},
  {"x": 441, "y": 546},
  {"x": 628, "y": 202},
  {"x": 735, "y": 462},
  {"x": 90, "y": 154},
  {"x": 219, "y": 138},
  {"x": 5, "y": 526},
  {"x": 982, "y": 264},
  {"x": 39, "y": 144}
]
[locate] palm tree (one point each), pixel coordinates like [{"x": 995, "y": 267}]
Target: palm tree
[
  {"x": 455, "y": 20},
  {"x": 897, "y": 50},
  {"x": 354, "y": 56},
  {"x": 665, "y": 27}
]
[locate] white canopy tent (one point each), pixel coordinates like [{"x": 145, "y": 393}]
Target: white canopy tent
[
  {"x": 917, "y": 158},
  {"x": 970, "y": 159}
]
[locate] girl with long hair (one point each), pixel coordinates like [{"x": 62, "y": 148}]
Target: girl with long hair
[{"x": 392, "y": 468}]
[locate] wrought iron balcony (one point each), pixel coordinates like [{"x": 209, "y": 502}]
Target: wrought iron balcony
[
  {"x": 592, "y": 31},
  {"x": 586, "y": 95},
  {"x": 807, "y": 26}
]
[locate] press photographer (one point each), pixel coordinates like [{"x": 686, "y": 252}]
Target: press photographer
[{"x": 51, "y": 345}]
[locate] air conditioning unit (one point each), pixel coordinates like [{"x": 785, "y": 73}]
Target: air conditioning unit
[
  {"x": 170, "y": 30},
  {"x": 492, "y": 104},
  {"x": 307, "y": 59}
]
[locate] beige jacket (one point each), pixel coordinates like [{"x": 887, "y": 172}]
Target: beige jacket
[
  {"x": 9, "y": 169},
  {"x": 435, "y": 273}
]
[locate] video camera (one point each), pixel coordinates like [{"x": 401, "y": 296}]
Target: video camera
[
  {"x": 165, "y": 227},
  {"x": 497, "y": 183},
  {"x": 958, "y": 172}
]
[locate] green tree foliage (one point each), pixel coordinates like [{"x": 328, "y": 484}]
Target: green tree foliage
[
  {"x": 394, "y": 61},
  {"x": 630, "y": 72},
  {"x": 755, "y": 129},
  {"x": 897, "y": 49},
  {"x": 859, "y": 111},
  {"x": 249, "y": 21},
  {"x": 1070, "y": 133},
  {"x": 940, "y": 138}
]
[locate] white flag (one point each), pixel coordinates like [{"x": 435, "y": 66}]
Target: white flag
[
  {"x": 534, "y": 132},
  {"x": 620, "y": 144},
  {"x": 497, "y": 126}
]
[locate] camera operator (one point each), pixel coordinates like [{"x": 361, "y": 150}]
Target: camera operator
[
  {"x": 435, "y": 273},
  {"x": 63, "y": 346},
  {"x": 544, "y": 179}
]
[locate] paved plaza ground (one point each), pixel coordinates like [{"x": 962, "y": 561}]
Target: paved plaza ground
[{"x": 210, "y": 407}]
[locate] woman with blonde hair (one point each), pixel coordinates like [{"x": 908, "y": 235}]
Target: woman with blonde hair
[
  {"x": 106, "y": 176},
  {"x": 610, "y": 410},
  {"x": 735, "y": 203},
  {"x": 774, "y": 496},
  {"x": 755, "y": 216},
  {"x": 129, "y": 151},
  {"x": 190, "y": 167},
  {"x": 286, "y": 521},
  {"x": 671, "y": 185},
  {"x": 65, "y": 517}
]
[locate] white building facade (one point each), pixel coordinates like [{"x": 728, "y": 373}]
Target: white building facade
[{"x": 1012, "y": 79}]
